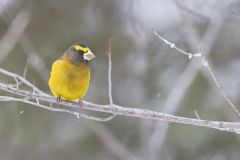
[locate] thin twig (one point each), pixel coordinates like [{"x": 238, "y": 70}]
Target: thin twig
[
  {"x": 196, "y": 114},
  {"x": 26, "y": 68},
  {"x": 110, "y": 71},
  {"x": 232, "y": 105},
  {"x": 172, "y": 45},
  {"x": 110, "y": 74},
  {"x": 112, "y": 108},
  {"x": 22, "y": 79}
]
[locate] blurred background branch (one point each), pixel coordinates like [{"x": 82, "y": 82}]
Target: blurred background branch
[{"x": 14, "y": 33}]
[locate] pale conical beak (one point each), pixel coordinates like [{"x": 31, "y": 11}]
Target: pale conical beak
[{"x": 88, "y": 56}]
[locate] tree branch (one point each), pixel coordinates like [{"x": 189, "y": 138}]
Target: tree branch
[{"x": 30, "y": 97}]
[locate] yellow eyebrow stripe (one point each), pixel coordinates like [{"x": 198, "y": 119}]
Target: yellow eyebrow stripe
[{"x": 80, "y": 48}]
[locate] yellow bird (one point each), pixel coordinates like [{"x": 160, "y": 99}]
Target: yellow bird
[{"x": 70, "y": 74}]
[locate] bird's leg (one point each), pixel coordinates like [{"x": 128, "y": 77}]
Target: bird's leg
[
  {"x": 59, "y": 100},
  {"x": 80, "y": 104}
]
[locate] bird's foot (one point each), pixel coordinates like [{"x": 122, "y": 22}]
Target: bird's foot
[
  {"x": 59, "y": 100},
  {"x": 80, "y": 103}
]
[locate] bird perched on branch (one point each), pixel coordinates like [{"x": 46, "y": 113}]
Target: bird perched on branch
[{"x": 70, "y": 74}]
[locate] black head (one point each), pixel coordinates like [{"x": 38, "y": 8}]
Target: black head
[{"x": 79, "y": 52}]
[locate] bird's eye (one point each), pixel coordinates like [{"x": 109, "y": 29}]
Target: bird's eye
[{"x": 81, "y": 48}]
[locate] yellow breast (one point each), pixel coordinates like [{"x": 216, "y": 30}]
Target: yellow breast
[{"x": 69, "y": 80}]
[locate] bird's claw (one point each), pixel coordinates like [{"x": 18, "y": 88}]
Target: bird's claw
[
  {"x": 59, "y": 100},
  {"x": 80, "y": 103}
]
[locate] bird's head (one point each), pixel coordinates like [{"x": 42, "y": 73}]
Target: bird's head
[{"x": 79, "y": 52}]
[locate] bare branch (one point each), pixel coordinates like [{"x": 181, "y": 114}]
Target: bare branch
[
  {"x": 172, "y": 45},
  {"x": 173, "y": 100},
  {"x": 111, "y": 108},
  {"x": 205, "y": 64}
]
